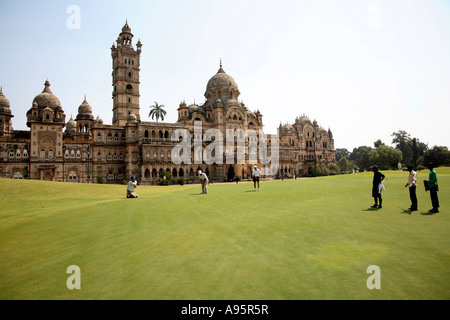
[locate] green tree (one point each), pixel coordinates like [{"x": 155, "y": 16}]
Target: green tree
[
  {"x": 342, "y": 152},
  {"x": 403, "y": 142},
  {"x": 157, "y": 111},
  {"x": 344, "y": 165},
  {"x": 361, "y": 157},
  {"x": 378, "y": 143},
  {"x": 388, "y": 157},
  {"x": 439, "y": 155}
]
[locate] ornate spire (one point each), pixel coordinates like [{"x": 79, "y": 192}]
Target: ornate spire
[
  {"x": 47, "y": 87},
  {"x": 220, "y": 69}
]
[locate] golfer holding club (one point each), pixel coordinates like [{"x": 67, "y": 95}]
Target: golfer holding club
[
  {"x": 204, "y": 181},
  {"x": 412, "y": 183}
]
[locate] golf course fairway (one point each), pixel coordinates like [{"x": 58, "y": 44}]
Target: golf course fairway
[{"x": 310, "y": 238}]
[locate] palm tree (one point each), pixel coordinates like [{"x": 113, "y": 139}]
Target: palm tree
[{"x": 157, "y": 111}]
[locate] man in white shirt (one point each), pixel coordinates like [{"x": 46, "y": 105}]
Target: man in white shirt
[
  {"x": 412, "y": 183},
  {"x": 204, "y": 181},
  {"x": 255, "y": 174},
  {"x": 130, "y": 188}
]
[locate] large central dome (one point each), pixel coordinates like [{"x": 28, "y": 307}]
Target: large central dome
[
  {"x": 221, "y": 81},
  {"x": 47, "y": 99}
]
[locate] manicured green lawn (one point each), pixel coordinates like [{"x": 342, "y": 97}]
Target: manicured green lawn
[{"x": 296, "y": 239}]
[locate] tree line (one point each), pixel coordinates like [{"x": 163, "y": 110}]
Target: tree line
[{"x": 407, "y": 151}]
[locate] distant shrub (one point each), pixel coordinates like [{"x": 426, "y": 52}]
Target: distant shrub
[{"x": 180, "y": 181}]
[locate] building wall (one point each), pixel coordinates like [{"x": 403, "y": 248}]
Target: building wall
[{"x": 132, "y": 147}]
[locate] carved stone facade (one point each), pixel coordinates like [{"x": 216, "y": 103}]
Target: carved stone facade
[{"x": 83, "y": 149}]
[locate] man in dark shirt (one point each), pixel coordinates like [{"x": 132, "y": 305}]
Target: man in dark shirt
[{"x": 378, "y": 178}]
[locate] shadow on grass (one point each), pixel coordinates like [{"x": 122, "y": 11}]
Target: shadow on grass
[
  {"x": 370, "y": 209},
  {"x": 428, "y": 213},
  {"x": 407, "y": 211}
]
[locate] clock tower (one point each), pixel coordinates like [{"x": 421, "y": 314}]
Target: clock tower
[{"x": 125, "y": 77}]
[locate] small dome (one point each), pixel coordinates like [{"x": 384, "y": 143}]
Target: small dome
[
  {"x": 85, "y": 111},
  {"x": 71, "y": 123},
  {"x": 71, "y": 126},
  {"x": 99, "y": 120},
  {"x": 47, "y": 99},
  {"x": 126, "y": 28},
  {"x": 4, "y": 104},
  {"x": 132, "y": 117}
]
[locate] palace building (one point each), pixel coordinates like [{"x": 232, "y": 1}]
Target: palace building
[{"x": 84, "y": 149}]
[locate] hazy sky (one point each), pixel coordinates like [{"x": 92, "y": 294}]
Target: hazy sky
[{"x": 362, "y": 68}]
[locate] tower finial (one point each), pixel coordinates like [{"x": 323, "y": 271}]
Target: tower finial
[{"x": 220, "y": 69}]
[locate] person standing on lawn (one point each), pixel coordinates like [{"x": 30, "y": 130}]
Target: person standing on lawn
[
  {"x": 256, "y": 173},
  {"x": 433, "y": 187},
  {"x": 377, "y": 186},
  {"x": 412, "y": 183}
]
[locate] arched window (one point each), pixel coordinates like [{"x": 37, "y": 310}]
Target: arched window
[
  {"x": 99, "y": 137},
  {"x": 129, "y": 87},
  {"x": 146, "y": 134},
  {"x": 147, "y": 173}
]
